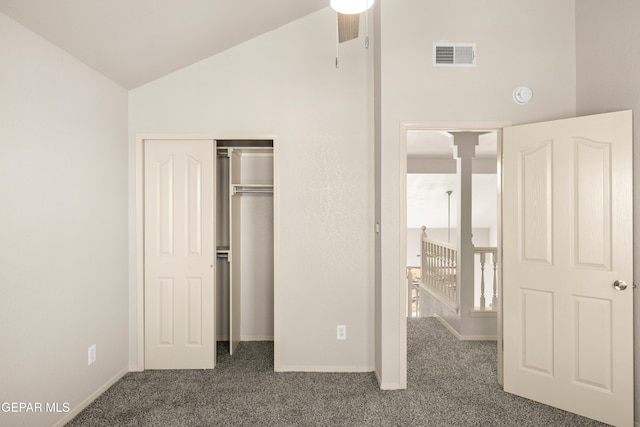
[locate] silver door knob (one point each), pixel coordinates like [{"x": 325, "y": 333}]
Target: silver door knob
[{"x": 619, "y": 285}]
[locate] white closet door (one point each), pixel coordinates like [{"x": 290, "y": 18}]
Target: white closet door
[{"x": 179, "y": 254}]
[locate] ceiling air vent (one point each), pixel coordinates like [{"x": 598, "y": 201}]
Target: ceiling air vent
[{"x": 454, "y": 55}]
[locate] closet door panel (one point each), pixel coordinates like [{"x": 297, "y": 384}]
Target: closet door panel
[
  {"x": 235, "y": 294},
  {"x": 179, "y": 252}
]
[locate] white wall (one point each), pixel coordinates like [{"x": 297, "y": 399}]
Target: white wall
[
  {"x": 519, "y": 42},
  {"x": 63, "y": 226},
  {"x": 285, "y": 82},
  {"x": 608, "y": 60}
]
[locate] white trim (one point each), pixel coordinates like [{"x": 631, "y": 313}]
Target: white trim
[
  {"x": 391, "y": 386},
  {"x": 483, "y": 313},
  {"x": 465, "y": 337},
  {"x": 89, "y": 400},
  {"x": 440, "y": 298},
  {"x": 454, "y": 126},
  {"x": 256, "y": 338},
  {"x": 386, "y": 386},
  {"x": 139, "y": 232},
  {"x": 276, "y": 253},
  {"x": 247, "y": 338},
  {"x": 375, "y": 372},
  {"x": 469, "y": 126},
  {"x": 402, "y": 250},
  {"x": 499, "y": 254},
  {"x": 134, "y": 368},
  {"x": 139, "y": 229},
  {"x": 327, "y": 369}
]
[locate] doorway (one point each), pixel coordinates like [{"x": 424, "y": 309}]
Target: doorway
[
  {"x": 406, "y": 128},
  {"x": 433, "y": 196},
  {"x": 251, "y": 180},
  {"x": 565, "y": 194}
]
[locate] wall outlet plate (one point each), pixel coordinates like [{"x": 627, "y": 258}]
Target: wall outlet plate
[
  {"x": 91, "y": 354},
  {"x": 341, "y": 332}
]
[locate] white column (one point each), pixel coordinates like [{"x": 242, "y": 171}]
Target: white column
[{"x": 464, "y": 151}]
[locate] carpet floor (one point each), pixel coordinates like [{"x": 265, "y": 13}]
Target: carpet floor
[{"x": 450, "y": 383}]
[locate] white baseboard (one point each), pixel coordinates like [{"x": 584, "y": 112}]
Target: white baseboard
[
  {"x": 378, "y": 378},
  {"x": 390, "y": 386},
  {"x": 72, "y": 414},
  {"x": 248, "y": 338},
  {"x": 387, "y": 386},
  {"x": 256, "y": 338},
  {"x": 326, "y": 369},
  {"x": 465, "y": 337},
  {"x": 483, "y": 313}
]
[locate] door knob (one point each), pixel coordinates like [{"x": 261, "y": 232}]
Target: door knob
[{"x": 619, "y": 285}]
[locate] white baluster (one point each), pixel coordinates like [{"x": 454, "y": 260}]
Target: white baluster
[
  {"x": 494, "y": 300},
  {"x": 439, "y": 266},
  {"x": 482, "y": 262},
  {"x": 453, "y": 286}
]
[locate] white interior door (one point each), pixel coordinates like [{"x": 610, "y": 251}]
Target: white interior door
[
  {"x": 179, "y": 254},
  {"x": 567, "y": 238}
]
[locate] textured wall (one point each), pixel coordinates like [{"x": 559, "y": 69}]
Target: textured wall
[
  {"x": 285, "y": 82},
  {"x": 63, "y": 226}
]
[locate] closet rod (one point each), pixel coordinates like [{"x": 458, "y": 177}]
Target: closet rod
[{"x": 255, "y": 191}]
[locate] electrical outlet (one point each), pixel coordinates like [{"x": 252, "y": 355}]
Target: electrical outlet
[
  {"x": 91, "y": 353},
  {"x": 341, "y": 332}
]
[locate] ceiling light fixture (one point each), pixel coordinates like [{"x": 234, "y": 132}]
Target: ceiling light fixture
[{"x": 350, "y": 7}]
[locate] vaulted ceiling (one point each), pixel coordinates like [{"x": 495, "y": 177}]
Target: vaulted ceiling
[
  {"x": 136, "y": 41},
  {"x": 133, "y": 42}
]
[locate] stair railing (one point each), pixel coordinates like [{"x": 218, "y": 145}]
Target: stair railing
[{"x": 439, "y": 270}]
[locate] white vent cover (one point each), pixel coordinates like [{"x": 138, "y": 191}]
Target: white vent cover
[{"x": 454, "y": 55}]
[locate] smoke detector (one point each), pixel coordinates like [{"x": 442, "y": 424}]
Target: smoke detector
[{"x": 522, "y": 95}]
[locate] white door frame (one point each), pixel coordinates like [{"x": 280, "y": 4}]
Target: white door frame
[
  {"x": 450, "y": 126},
  {"x": 139, "y": 233}
]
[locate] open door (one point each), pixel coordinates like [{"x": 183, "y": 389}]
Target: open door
[
  {"x": 179, "y": 254},
  {"x": 567, "y": 267}
]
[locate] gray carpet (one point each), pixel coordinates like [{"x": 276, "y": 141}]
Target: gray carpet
[{"x": 450, "y": 383}]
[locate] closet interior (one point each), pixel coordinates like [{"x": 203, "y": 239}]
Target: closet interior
[{"x": 244, "y": 241}]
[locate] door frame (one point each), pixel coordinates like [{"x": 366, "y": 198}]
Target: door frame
[
  {"x": 450, "y": 126},
  {"x": 139, "y": 232}
]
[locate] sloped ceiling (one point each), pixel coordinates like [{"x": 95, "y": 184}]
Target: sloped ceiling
[{"x": 136, "y": 41}]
